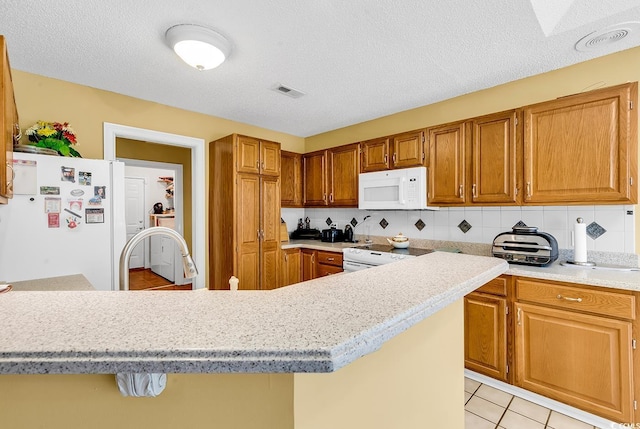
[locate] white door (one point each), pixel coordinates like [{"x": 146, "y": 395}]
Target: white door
[{"x": 134, "y": 217}]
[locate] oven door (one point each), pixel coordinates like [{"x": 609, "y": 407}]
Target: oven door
[{"x": 350, "y": 266}]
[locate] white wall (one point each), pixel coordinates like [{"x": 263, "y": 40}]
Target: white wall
[
  {"x": 154, "y": 190},
  {"x": 486, "y": 223}
]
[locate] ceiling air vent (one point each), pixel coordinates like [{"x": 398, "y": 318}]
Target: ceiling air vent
[
  {"x": 606, "y": 36},
  {"x": 287, "y": 90}
]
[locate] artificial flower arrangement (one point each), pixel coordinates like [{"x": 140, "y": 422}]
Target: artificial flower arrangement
[{"x": 54, "y": 135}]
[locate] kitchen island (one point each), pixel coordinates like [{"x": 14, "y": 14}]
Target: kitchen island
[{"x": 378, "y": 348}]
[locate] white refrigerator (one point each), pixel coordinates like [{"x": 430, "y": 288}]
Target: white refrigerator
[{"x": 66, "y": 217}]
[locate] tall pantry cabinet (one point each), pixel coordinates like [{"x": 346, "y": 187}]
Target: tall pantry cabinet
[{"x": 244, "y": 212}]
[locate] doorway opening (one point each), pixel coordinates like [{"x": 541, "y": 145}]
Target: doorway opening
[{"x": 193, "y": 181}]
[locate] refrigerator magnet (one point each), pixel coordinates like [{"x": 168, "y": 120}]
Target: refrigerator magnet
[
  {"x": 54, "y": 220},
  {"x": 94, "y": 216},
  {"x": 52, "y": 205},
  {"x": 100, "y": 191},
  {"x": 75, "y": 204},
  {"x": 84, "y": 177},
  {"x": 49, "y": 190},
  {"x": 73, "y": 222},
  {"x": 68, "y": 174},
  {"x": 77, "y": 193}
]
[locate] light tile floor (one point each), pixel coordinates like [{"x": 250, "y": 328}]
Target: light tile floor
[{"x": 490, "y": 408}]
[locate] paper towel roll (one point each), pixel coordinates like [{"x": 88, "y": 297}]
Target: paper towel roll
[{"x": 579, "y": 241}]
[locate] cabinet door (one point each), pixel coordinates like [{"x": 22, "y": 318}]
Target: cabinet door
[
  {"x": 247, "y": 264},
  {"x": 290, "y": 179},
  {"x": 315, "y": 178},
  {"x": 583, "y": 148},
  {"x": 375, "y": 154},
  {"x": 485, "y": 334},
  {"x": 493, "y": 158},
  {"x": 309, "y": 264},
  {"x": 447, "y": 164},
  {"x": 407, "y": 150},
  {"x": 10, "y": 128},
  {"x": 248, "y": 155},
  {"x": 269, "y": 233},
  {"x": 291, "y": 266},
  {"x": 269, "y": 158},
  {"x": 579, "y": 359},
  {"x": 344, "y": 167}
]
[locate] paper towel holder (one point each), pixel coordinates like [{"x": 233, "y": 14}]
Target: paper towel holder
[{"x": 580, "y": 264}]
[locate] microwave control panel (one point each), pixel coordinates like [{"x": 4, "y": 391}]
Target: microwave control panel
[{"x": 412, "y": 189}]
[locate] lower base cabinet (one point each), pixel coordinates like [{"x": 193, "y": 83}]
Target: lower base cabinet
[
  {"x": 291, "y": 266},
  {"x": 568, "y": 342},
  {"x": 309, "y": 267}
]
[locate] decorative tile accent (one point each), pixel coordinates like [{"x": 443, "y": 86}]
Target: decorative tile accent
[
  {"x": 464, "y": 226},
  {"x": 384, "y": 223},
  {"x": 594, "y": 230},
  {"x": 420, "y": 225},
  {"x": 353, "y": 222},
  {"x": 328, "y": 221},
  {"x": 520, "y": 223}
]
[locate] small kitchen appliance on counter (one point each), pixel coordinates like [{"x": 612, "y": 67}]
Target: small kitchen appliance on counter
[
  {"x": 332, "y": 235},
  {"x": 305, "y": 234},
  {"x": 526, "y": 246}
]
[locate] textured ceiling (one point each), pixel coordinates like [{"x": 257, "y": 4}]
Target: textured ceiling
[{"x": 355, "y": 60}]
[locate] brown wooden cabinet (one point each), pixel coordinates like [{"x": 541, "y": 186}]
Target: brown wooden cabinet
[
  {"x": 10, "y": 126},
  {"x": 291, "y": 266},
  {"x": 331, "y": 177},
  {"x": 244, "y": 214},
  {"x": 574, "y": 344},
  {"x": 397, "y": 151},
  {"x": 329, "y": 263},
  {"x": 447, "y": 164},
  {"x": 494, "y": 159},
  {"x": 309, "y": 264},
  {"x": 291, "y": 179},
  {"x": 582, "y": 149},
  {"x": 485, "y": 329}
]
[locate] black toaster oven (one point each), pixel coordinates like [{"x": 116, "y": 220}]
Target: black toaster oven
[{"x": 526, "y": 245}]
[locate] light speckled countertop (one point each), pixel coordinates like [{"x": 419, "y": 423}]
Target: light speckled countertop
[
  {"x": 73, "y": 282},
  {"x": 628, "y": 280},
  {"x": 315, "y": 326}
]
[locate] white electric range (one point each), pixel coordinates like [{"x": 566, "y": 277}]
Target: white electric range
[{"x": 372, "y": 255}]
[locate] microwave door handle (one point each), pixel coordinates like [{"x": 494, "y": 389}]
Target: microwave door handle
[{"x": 402, "y": 200}]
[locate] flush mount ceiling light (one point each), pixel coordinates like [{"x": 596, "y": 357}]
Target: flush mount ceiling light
[{"x": 198, "y": 46}]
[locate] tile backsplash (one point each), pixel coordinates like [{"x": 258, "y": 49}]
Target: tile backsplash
[{"x": 482, "y": 224}]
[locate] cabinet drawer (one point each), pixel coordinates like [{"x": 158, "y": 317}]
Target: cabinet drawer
[
  {"x": 497, "y": 286},
  {"x": 325, "y": 270},
  {"x": 611, "y": 304},
  {"x": 330, "y": 258}
]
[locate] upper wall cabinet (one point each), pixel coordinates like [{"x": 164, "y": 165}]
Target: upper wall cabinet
[
  {"x": 290, "y": 179},
  {"x": 582, "y": 149},
  {"x": 397, "y": 151},
  {"x": 447, "y": 164},
  {"x": 258, "y": 156},
  {"x": 494, "y": 150},
  {"x": 331, "y": 177},
  {"x": 10, "y": 129}
]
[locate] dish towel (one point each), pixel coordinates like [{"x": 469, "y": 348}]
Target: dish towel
[{"x": 141, "y": 384}]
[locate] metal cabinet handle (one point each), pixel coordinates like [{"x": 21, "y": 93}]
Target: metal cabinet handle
[
  {"x": 258, "y": 165},
  {"x": 568, "y": 298},
  {"x": 330, "y": 259},
  {"x": 460, "y": 191},
  {"x": 286, "y": 257},
  {"x": 528, "y": 189},
  {"x": 386, "y": 158},
  {"x": 394, "y": 159},
  {"x": 13, "y": 176},
  {"x": 18, "y": 134},
  {"x": 331, "y": 197},
  {"x": 473, "y": 190},
  {"x": 263, "y": 165},
  {"x": 518, "y": 316},
  {"x": 324, "y": 197}
]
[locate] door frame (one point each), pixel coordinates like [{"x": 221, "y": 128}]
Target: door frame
[{"x": 112, "y": 131}]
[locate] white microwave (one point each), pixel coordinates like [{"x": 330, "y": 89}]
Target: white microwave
[{"x": 402, "y": 189}]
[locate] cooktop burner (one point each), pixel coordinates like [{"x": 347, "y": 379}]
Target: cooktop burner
[{"x": 385, "y": 248}]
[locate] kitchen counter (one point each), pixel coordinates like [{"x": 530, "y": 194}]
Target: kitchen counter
[
  {"x": 316, "y": 326},
  {"x": 74, "y": 282},
  {"x": 319, "y": 245}
]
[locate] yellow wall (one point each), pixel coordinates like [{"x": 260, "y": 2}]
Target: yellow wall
[
  {"x": 605, "y": 71},
  {"x": 86, "y": 108},
  {"x": 134, "y": 149},
  {"x": 414, "y": 381}
]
